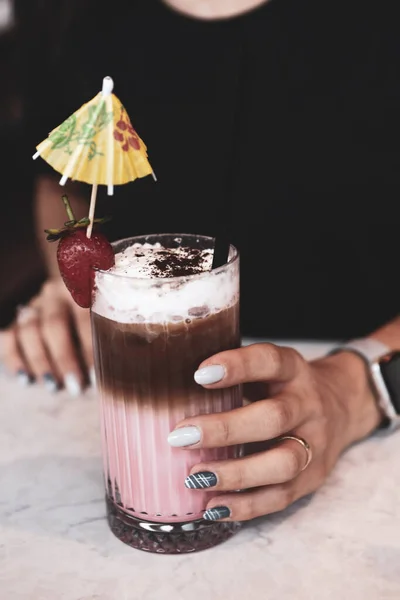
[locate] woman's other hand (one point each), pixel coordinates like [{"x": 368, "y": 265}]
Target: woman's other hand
[{"x": 50, "y": 341}]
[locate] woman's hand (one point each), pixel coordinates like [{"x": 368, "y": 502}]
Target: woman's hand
[
  {"x": 326, "y": 403},
  {"x": 50, "y": 341}
]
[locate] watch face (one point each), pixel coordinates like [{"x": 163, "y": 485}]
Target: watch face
[{"x": 390, "y": 370}]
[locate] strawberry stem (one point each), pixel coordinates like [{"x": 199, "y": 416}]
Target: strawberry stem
[{"x": 68, "y": 208}]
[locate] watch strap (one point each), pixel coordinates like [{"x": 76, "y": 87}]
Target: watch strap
[{"x": 369, "y": 349}]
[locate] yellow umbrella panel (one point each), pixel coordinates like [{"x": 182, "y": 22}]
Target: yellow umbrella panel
[{"x": 97, "y": 145}]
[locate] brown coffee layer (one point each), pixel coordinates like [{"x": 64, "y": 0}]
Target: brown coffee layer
[{"x": 158, "y": 360}]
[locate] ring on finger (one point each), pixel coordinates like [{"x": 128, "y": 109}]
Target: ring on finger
[
  {"x": 303, "y": 443},
  {"x": 27, "y": 314}
]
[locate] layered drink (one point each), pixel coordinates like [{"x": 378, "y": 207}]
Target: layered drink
[{"x": 156, "y": 316}]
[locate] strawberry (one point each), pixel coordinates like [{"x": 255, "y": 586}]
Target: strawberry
[{"x": 77, "y": 255}]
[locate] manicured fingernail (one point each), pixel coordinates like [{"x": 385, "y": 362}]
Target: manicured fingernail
[
  {"x": 184, "y": 436},
  {"x": 201, "y": 480},
  {"x": 50, "y": 383},
  {"x": 23, "y": 378},
  {"x": 92, "y": 377},
  {"x": 210, "y": 374},
  {"x": 218, "y": 512},
  {"x": 72, "y": 385}
]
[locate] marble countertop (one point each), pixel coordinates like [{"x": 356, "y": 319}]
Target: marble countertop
[{"x": 341, "y": 543}]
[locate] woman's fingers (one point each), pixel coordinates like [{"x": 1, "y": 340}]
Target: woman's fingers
[
  {"x": 57, "y": 334},
  {"x": 260, "y": 421},
  {"x": 12, "y": 358},
  {"x": 50, "y": 340},
  {"x": 277, "y": 465},
  {"x": 274, "y": 478},
  {"x": 33, "y": 348},
  {"x": 257, "y": 362},
  {"x": 263, "y": 420},
  {"x": 248, "y": 505},
  {"x": 242, "y": 506}
]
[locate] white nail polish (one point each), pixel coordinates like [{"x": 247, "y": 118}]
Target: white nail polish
[
  {"x": 210, "y": 374},
  {"x": 92, "y": 377},
  {"x": 184, "y": 436},
  {"x": 72, "y": 385},
  {"x": 23, "y": 378}
]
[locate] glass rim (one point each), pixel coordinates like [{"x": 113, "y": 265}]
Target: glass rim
[{"x": 234, "y": 259}]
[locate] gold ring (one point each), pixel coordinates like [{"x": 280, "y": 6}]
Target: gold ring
[{"x": 303, "y": 443}]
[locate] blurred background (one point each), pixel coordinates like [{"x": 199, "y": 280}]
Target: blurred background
[
  {"x": 42, "y": 25},
  {"x": 21, "y": 267},
  {"x": 24, "y": 24},
  {"x": 331, "y": 146}
]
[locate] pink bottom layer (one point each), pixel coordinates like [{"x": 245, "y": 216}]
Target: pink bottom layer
[{"x": 144, "y": 475}]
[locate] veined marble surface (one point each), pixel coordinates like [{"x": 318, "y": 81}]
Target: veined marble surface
[{"x": 342, "y": 543}]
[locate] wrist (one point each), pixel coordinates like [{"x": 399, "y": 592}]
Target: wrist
[{"x": 353, "y": 393}]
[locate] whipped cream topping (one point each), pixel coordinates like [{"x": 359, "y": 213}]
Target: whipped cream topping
[
  {"x": 153, "y": 260},
  {"x": 139, "y": 287}
]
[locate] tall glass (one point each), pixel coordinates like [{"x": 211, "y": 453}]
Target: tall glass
[{"x": 150, "y": 335}]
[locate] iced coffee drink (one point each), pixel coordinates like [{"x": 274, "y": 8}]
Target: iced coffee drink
[{"x": 156, "y": 315}]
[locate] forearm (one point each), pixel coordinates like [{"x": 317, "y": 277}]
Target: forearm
[
  {"x": 50, "y": 213},
  {"x": 389, "y": 334}
]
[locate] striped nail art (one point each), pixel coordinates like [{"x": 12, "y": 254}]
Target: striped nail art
[
  {"x": 201, "y": 480},
  {"x": 218, "y": 512}
]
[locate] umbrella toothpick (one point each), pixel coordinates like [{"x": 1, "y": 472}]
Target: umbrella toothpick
[
  {"x": 97, "y": 145},
  {"x": 92, "y": 209}
]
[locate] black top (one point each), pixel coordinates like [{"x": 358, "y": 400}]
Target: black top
[{"x": 307, "y": 93}]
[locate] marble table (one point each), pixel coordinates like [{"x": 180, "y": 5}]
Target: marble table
[{"x": 341, "y": 543}]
